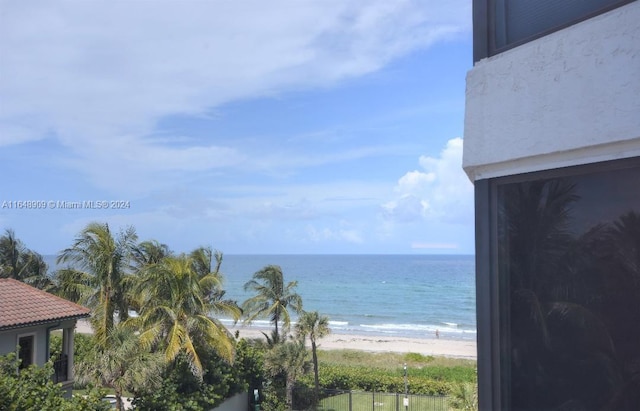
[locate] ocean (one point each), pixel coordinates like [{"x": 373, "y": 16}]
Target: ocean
[
  {"x": 403, "y": 295},
  {"x": 391, "y": 295}
]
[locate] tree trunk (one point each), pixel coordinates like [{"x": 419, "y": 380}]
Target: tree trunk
[
  {"x": 315, "y": 370},
  {"x": 119, "y": 403},
  {"x": 289, "y": 393}
]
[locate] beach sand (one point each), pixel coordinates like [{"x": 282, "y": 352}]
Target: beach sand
[{"x": 427, "y": 346}]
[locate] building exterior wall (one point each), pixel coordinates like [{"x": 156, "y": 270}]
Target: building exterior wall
[
  {"x": 9, "y": 341},
  {"x": 9, "y": 338},
  {"x": 569, "y": 98}
]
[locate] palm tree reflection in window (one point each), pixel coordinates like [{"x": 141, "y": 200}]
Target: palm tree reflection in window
[{"x": 571, "y": 316}]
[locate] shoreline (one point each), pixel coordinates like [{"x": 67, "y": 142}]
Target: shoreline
[{"x": 439, "y": 347}]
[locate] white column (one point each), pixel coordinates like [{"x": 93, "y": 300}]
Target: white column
[{"x": 70, "y": 335}]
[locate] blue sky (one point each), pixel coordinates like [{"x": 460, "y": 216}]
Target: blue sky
[{"x": 253, "y": 127}]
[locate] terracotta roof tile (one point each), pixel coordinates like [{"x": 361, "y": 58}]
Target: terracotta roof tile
[{"x": 22, "y": 305}]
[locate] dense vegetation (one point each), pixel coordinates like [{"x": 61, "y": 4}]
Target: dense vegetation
[
  {"x": 33, "y": 389},
  {"x": 362, "y": 371},
  {"x": 174, "y": 353}
]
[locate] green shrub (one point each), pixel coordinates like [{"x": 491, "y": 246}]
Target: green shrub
[
  {"x": 363, "y": 378},
  {"x": 418, "y": 358},
  {"x": 181, "y": 391},
  {"x": 33, "y": 389},
  {"x": 455, "y": 374}
]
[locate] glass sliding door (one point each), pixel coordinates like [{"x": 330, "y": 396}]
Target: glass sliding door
[{"x": 567, "y": 268}]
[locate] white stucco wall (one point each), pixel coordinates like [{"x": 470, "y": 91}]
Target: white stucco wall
[
  {"x": 9, "y": 342},
  {"x": 572, "y": 97},
  {"x": 9, "y": 338}
]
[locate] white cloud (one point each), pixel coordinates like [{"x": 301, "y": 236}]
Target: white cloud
[
  {"x": 98, "y": 76},
  {"x": 440, "y": 192},
  {"x": 344, "y": 234}
]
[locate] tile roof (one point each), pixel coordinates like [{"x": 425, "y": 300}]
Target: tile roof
[{"x": 22, "y": 305}]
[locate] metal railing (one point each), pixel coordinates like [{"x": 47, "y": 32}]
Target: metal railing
[{"x": 61, "y": 369}]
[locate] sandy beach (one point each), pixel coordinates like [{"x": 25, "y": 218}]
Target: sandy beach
[{"x": 427, "y": 346}]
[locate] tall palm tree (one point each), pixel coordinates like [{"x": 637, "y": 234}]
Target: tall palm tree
[
  {"x": 124, "y": 366},
  {"x": 175, "y": 313},
  {"x": 202, "y": 261},
  {"x": 20, "y": 263},
  {"x": 143, "y": 254},
  {"x": 148, "y": 252},
  {"x": 289, "y": 358},
  {"x": 11, "y": 248},
  {"x": 315, "y": 326},
  {"x": 99, "y": 262},
  {"x": 272, "y": 299},
  {"x": 35, "y": 271}
]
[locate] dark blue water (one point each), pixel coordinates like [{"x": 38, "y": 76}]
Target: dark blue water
[{"x": 403, "y": 295}]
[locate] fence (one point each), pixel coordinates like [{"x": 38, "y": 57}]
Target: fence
[{"x": 335, "y": 400}]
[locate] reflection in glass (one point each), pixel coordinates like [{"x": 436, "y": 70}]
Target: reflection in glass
[{"x": 569, "y": 272}]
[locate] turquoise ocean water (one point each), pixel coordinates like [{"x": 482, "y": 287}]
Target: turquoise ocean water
[
  {"x": 393, "y": 295},
  {"x": 403, "y": 295}
]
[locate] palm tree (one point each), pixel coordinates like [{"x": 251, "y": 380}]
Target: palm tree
[
  {"x": 290, "y": 359},
  {"x": 11, "y": 248},
  {"x": 203, "y": 264},
  {"x": 35, "y": 271},
  {"x": 272, "y": 297},
  {"x": 99, "y": 264},
  {"x": 149, "y": 252},
  {"x": 203, "y": 258},
  {"x": 20, "y": 263},
  {"x": 176, "y": 308},
  {"x": 124, "y": 366},
  {"x": 464, "y": 396},
  {"x": 315, "y": 326}
]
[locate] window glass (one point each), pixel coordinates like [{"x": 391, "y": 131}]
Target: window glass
[
  {"x": 519, "y": 20},
  {"x": 569, "y": 275},
  {"x": 25, "y": 353}
]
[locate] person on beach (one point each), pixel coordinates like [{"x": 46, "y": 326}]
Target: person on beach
[{"x": 438, "y": 334}]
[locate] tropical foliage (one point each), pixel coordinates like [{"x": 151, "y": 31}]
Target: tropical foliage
[
  {"x": 123, "y": 366},
  {"x": 97, "y": 274},
  {"x": 33, "y": 389},
  {"x": 272, "y": 299},
  {"x": 315, "y": 326},
  {"x": 464, "y": 397},
  {"x": 176, "y": 297},
  {"x": 20, "y": 263},
  {"x": 364, "y": 378},
  {"x": 157, "y": 334},
  {"x": 289, "y": 360}
]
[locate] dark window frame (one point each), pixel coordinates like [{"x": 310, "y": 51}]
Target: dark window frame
[
  {"x": 484, "y": 27},
  {"x": 491, "y": 341},
  {"x": 29, "y": 341}
]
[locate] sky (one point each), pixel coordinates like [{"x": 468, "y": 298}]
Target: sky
[{"x": 253, "y": 127}]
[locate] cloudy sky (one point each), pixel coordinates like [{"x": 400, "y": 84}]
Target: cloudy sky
[{"x": 253, "y": 127}]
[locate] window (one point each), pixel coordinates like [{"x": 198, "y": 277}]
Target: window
[
  {"x": 559, "y": 304},
  {"x": 503, "y": 24},
  {"x": 26, "y": 350}
]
